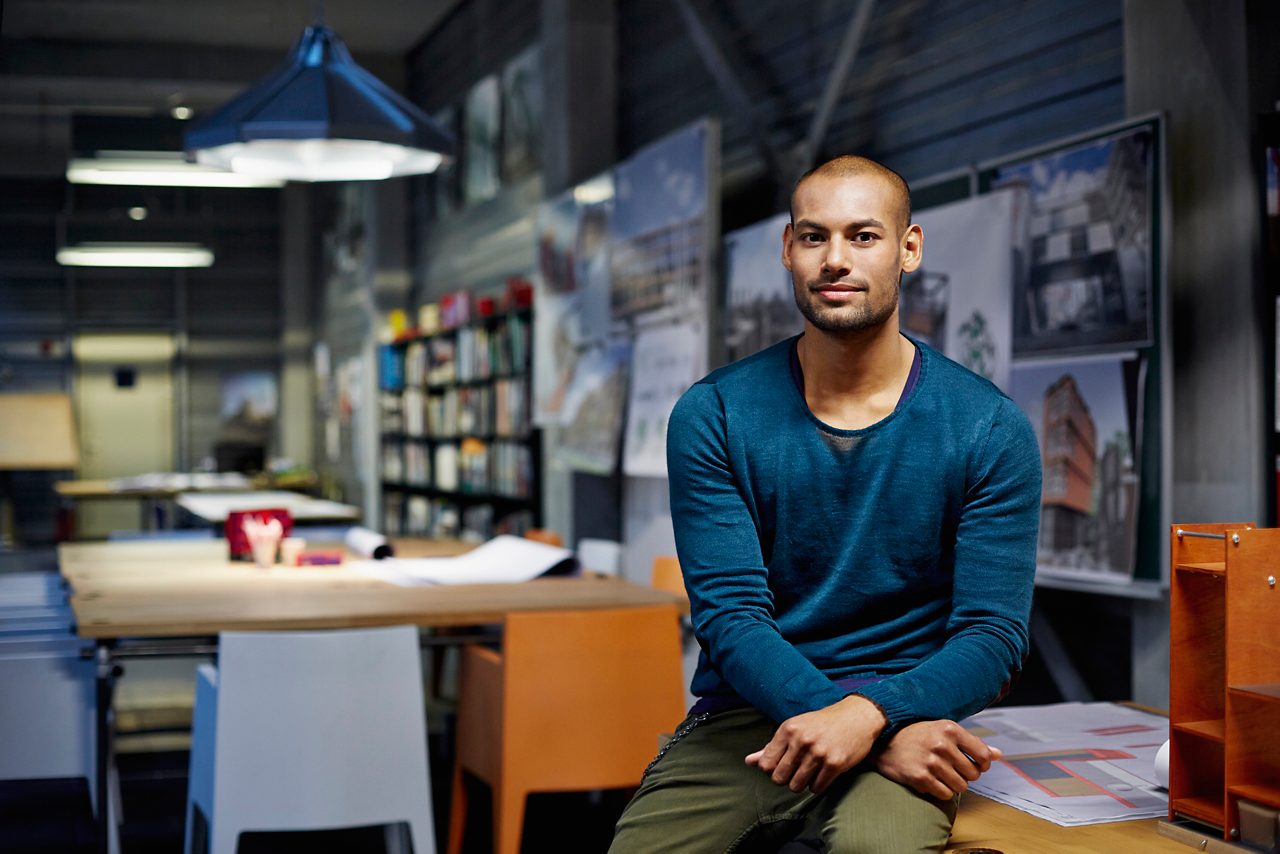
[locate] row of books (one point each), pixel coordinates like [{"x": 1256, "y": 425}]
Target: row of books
[
  {"x": 422, "y": 516},
  {"x": 471, "y": 466},
  {"x": 429, "y": 362},
  {"x": 472, "y": 353},
  {"x": 504, "y": 349},
  {"x": 500, "y": 408}
]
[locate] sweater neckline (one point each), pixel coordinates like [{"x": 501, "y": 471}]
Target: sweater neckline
[{"x": 903, "y": 404}]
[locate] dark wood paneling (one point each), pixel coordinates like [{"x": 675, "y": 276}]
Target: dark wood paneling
[
  {"x": 245, "y": 306},
  {"x": 935, "y": 86},
  {"x": 475, "y": 40},
  {"x": 32, "y": 304},
  {"x": 109, "y": 298}
]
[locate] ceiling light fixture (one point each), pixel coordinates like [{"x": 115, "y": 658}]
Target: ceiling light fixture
[
  {"x": 320, "y": 117},
  {"x": 157, "y": 169},
  {"x": 135, "y": 255}
]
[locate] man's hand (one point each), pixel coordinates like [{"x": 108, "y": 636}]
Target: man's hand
[
  {"x": 937, "y": 758},
  {"x": 812, "y": 749}
]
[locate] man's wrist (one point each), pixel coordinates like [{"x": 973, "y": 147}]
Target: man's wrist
[{"x": 867, "y": 714}]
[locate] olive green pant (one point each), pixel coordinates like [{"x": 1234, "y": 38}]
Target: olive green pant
[{"x": 700, "y": 796}]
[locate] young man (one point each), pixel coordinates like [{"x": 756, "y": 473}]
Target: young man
[{"x": 856, "y": 519}]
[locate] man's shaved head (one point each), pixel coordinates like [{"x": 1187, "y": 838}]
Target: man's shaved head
[{"x": 853, "y": 166}]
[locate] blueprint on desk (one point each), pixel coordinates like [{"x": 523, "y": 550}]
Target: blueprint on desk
[{"x": 1074, "y": 763}]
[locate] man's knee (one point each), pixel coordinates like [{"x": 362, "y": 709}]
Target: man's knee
[{"x": 879, "y": 816}]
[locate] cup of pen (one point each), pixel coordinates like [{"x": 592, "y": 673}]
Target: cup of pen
[{"x": 264, "y": 539}]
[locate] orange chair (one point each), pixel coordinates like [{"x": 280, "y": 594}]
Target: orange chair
[
  {"x": 544, "y": 535},
  {"x": 666, "y": 576},
  {"x": 575, "y": 701}
]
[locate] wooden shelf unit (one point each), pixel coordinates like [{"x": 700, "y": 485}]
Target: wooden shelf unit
[{"x": 1224, "y": 657}]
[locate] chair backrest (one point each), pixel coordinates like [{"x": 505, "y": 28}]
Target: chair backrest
[
  {"x": 337, "y": 714},
  {"x": 587, "y": 693},
  {"x": 543, "y": 535},
  {"x": 31, "y": 588},
  {"x": 46, "y": 712},
  {"x": 666, "y": 576},
  {"x": 599, "y": 556}
]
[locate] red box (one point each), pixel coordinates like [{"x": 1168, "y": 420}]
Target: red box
[{"x": 233, "y": 529}]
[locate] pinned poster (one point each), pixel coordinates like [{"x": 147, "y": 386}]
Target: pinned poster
[
  {"x": 665, "y": 362},
  {"x": 760, "y": 305},
  {"x": 1089, "y": 254},
  {"x": 659, "y": 261},
  {"x": 958, "y": 299},
  {"x": 593, "y": 410},
  {"x": 571, "y": 291},
  {"x": 1086, "y": 412}
]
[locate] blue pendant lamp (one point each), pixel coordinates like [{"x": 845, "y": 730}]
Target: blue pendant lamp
[{"x": 320, "y": 117}]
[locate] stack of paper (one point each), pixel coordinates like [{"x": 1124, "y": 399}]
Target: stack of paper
[
  {"x": 502, "y": 559},
  {"x": 1074, "y": 763}
]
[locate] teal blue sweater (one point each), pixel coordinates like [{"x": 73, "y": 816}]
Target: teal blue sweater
[{"x": 902, "y": 553}]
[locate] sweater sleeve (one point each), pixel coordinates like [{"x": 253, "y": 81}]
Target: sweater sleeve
[
  {"x": 719, "y": 547},
  {"x": 995, "y": 564}
]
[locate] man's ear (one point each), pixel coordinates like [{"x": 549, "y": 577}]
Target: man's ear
[
  {"x": 786, "y": 246},
  {"x": 912, "y": 248}
]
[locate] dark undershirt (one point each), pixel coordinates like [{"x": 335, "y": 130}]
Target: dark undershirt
[{"x": 726, "y": 702}]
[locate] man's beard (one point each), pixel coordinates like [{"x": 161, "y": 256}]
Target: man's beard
[{"x": 846, "y": 319}]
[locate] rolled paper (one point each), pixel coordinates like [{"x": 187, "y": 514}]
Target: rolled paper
[
  {"x": 1162, "y": 765},
  {"x": 368, "y": 544}
]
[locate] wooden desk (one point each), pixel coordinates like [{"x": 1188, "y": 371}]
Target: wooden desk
[
  {"x": 984, "y": 824},
  {"x": 148, "y": 490},
  {"x": 182, "y": 589},
  {"x": 152, "y": 486}
]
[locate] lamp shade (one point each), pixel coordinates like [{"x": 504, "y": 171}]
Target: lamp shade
[{"x": 319, "y": 117}]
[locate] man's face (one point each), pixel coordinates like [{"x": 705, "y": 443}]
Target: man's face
[{"x": 847, "y": 249}]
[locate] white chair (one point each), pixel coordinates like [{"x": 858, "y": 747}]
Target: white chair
[
  {"x": 47, "y": 715},
  {"x": 46, "y": 712},
  {"x": 603, "y": 557},
  {"x": 310, "y": 731},
  {"x": 31, "y": 588}
]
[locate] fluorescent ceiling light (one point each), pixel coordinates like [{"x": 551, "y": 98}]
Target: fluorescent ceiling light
[
  {"x": 135, "y": 255},
  {"x": 157, "y": 169}
]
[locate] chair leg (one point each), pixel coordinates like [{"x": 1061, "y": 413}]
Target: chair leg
[
  {"x": 198, "y": 835},
  {"x": 188, "y": 841},
  {"x": 457, "y": 812},
  {"x": 508, "y": 818},
  {"x": 397, "y": 838}
]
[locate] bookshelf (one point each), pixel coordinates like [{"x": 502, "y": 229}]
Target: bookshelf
[
  {"x": 1224, "y": 659},
  {"x": 459, "y": 453}
]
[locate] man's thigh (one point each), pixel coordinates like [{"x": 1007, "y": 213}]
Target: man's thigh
[
  {"x": 870, "y": 814},
  {"x": 701, "y": 796}
]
